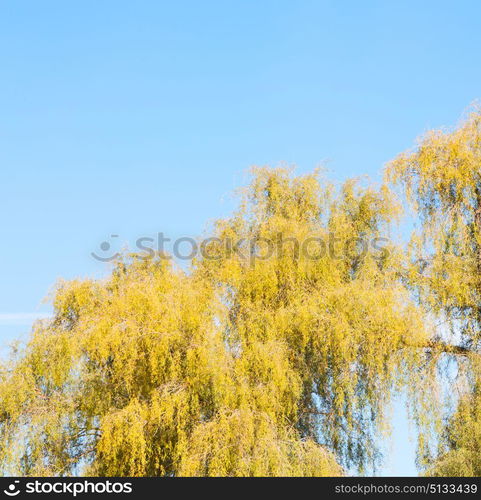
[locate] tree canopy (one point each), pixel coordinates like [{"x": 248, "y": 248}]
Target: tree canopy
[
  {"x": 278, "y": 351},
  {"x": 441, "y": 179}
]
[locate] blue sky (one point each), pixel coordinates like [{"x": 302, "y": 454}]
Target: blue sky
[{"x": 131, "y": 118}]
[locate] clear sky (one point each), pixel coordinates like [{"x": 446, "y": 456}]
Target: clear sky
[{"x": 131, "y": 118}]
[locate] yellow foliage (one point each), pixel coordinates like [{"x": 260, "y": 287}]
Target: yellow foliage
[
  {"x": 242, "y": 366},
  {"x": 278, "y": 351},
  {"x": 460, "y": 455},
  {"x": 441, "y": 178}
]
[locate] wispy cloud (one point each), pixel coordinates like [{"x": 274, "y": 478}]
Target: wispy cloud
[{"x": 22, "y": 319}]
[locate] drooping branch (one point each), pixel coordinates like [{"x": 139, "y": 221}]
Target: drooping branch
[
  {"x": 444, "y": 347},
  {"x": 441, "y": 347}
]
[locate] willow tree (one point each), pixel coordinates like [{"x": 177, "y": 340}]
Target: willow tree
[
  {"x": 441, "y": 177},
  {"x": 275, "y": 354}
]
